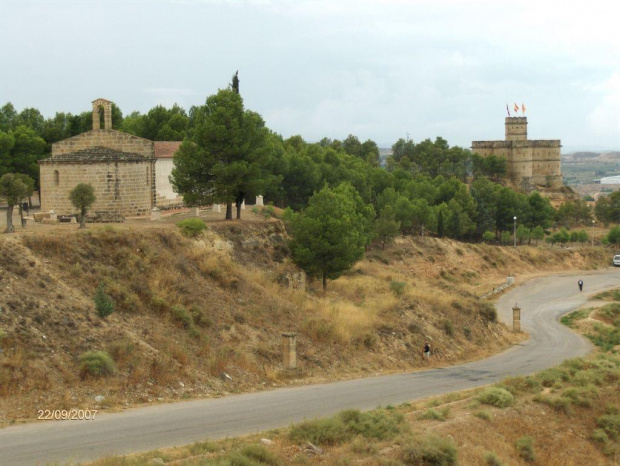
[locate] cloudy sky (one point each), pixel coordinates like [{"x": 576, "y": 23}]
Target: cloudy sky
[{"x": 379, "y": 69}]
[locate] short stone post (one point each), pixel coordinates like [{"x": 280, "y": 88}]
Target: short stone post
[
  {"x": 259, "y": 200},
  {"x": 516, "y": 318},
  {"x": 243, "y": 205},
  {"x": 194, "y": 211},
  {"x": 510, "y": 280},
  {"x": 289, "y": 350},
  {"x": 155, "y": 214},
  {"x": 53, "y": 216},
  {"x": 217, "y": 208}
]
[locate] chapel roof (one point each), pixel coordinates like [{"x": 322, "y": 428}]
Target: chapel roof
[
  {"x": 165, "y": 149},
  {"x": 96, "y": 154}
]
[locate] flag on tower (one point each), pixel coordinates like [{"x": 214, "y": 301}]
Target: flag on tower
[
  {"x": 516, "y": 108},
  {"x": 507, "y": 110},
  {"x": 523, "y": 108}
]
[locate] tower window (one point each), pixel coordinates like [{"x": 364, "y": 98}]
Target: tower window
[{"x": 56, "y": 178}]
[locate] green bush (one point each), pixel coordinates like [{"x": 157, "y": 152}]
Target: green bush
[
  {"x": 397, "y": 288},
  {"x": 491, "y": 458},
  {"x": 496, "y": 396},
  {"x": 96, "y": 363},
  {"x": 256, "y": 454},
  {"x": 525, "y": 447},
  {"x": 430, "y": 450},
  {"x": 434, "y": 415},
  {"x": 191, "y": 227},
  {"x": 182, "y": 315},
  {"x": 448, "y": 328},
  {"x": 488, "y": 311},
  {"x": 610, "y": 423},
  {"x": 104, "y": 304},
  {"x": 378, "y": 424},
  {"x": 600, "y": 436},
  {"x": 561, "y": 404},
  {"x": 484, "y": 415}
]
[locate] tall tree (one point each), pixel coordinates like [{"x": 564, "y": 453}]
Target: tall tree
[
  {"x": 225, "y": 157},
  {"x": 330, "y": 235},
  {"x": 13, "y": 189},
  {"x": 82, "y": 197}
]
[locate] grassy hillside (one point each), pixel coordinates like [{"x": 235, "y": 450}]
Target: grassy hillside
[
  {"x": 188, "y": 310},
  {"x": 567, "y": 415}
]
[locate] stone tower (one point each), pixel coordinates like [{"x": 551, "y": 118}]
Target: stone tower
[
  {"x": 107, "y": 114},
  {"x": 531, "y": 163}
]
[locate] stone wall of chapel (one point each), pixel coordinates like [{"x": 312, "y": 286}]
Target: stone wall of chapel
[
  {"x": 119, "y": 187},
  {"x": 109, "y": 138}
]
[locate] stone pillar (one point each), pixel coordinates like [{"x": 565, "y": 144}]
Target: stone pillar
[
  {"x": 155, "y": 214},
  {"x": 516, "y": 318},
  {"x": 289, "y": 350},
  {"x": 510, "y": 280},
  {"x": 217, "y": 208},
  {"x": 243, "y": 205},
  {"x": 194, "y": 211},
  {"x": 53, "y": 215},
  {"x": 259, "y": 200}
]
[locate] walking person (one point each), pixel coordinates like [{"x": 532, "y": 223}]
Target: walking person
[
  {"x": 426, "y": 353},
  {"x": 580, "y": 283}
]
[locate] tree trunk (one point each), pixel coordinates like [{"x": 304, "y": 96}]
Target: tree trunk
[
  {"x": 324, "y": 282},
  {"x": 21, "y": 215},
  {"x": 238, "y": 206},
  {"x": 83, "y": 219},
  {"x": 9, "y": 220},
  {"x": 228, "y": 211}
]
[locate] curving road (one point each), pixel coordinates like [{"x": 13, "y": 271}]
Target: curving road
[{"x": 542, "y": 301}]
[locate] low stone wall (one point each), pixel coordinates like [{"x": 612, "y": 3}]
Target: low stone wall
[{"x": 509, "y": 282}]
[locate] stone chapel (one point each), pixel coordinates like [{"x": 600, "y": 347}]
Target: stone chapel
[{"x": 129, "y": 174}]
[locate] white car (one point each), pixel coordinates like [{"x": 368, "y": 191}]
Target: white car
[{"x": 616, "y": 260}]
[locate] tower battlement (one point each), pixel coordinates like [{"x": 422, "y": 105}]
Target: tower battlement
[{"x": 530, "y": 162}]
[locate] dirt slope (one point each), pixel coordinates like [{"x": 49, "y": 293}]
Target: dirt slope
[{"x": 188, "y": 310}]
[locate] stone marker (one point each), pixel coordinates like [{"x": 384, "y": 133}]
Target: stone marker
[
  {"x": 289, "y": 350},
  {"x": 243, "y": 205},
  {"x": 217, "y": 208},
  {"x": 73, "y": 220},
  {"x": 516, "y": 318},
  {"x": 155, "y": 214},
  {"x": 194, "y": 211},
  {"x": 53, "y": 215},
  {"x": 259, "y": 200}
]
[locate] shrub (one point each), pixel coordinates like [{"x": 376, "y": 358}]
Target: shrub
[
  {"x": 488, "y": 311},
  {"x": 492, "y": 459},
  {"x": 397, "y": 288},
  {"x": 484, "y": 415},
  {"x": 610, "y": 423},
  {"x": 96, "y": 363},
  {"x": 599, "y": 436},
  {"x": 447, "y": 327},
  {"x": 258, "y": 454},
  {"x": 496, "y": 396},
  {"x": 104, "y": 304},
  {"x": 434, "y": 415},
  {"x": 560, "y": 404},
  {"x": 191, "y": 227},
  {"x": 525, "y": 447},
  {"x": 429, "y": 449},
  {"x": 182, "y": 315},
  {"x": 378, "y": 424}
]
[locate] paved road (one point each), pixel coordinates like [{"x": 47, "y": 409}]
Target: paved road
[{"x": 542, "y": 301}]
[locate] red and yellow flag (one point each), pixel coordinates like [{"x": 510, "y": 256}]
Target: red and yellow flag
[
  {"x": 522, "y": 108},
  {"x": 516, "y": 108}
]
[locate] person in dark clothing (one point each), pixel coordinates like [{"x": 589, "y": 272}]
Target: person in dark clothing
[
  {"x": 580, "y": 283},
  {"x": 427, "y": 350},
  {"x": 25, "y": 207}
]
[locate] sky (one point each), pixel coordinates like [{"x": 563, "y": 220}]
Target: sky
[{"x": 378, "y": 69}]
